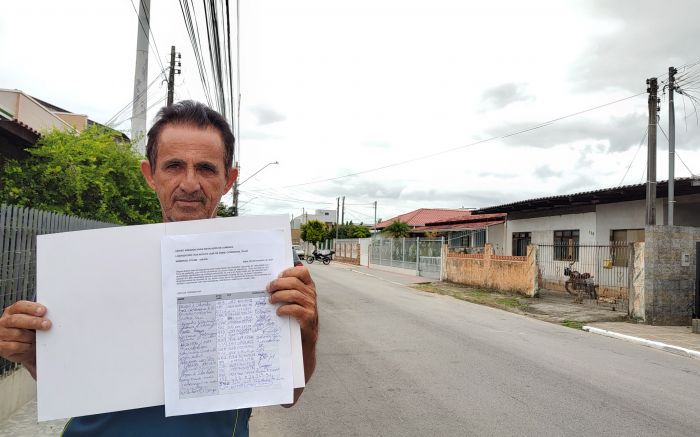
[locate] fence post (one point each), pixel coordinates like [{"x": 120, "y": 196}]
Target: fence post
[
  {"x": 443, "y": 257},
  {"x": 417, "y": 256}
]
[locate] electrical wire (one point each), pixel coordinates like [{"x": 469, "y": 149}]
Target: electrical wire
[
  {"x": 132, "y": 102},
  {"x": 676, "y": 153},
  {"x": 646, "y": 132},
  {"x": 442, "y": 152}
]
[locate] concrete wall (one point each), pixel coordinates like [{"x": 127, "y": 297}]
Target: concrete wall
[
  {"x": 364, "y": 251},
  {"x": 16, "y": 389},
  {"x": 636, "y": 283},
  {"x": 496, "y": 236},
  {"x": 622, "y": 215},
  {"x": 687, "y": 211},
  {"x": 513, "y": 274},
  {"x": 669, "y": 282},
  {"x": 347, "y": 251}
]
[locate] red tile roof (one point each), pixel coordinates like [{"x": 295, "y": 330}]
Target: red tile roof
[
  {"x": 422, "y": 216},
  {"x": 458, "y": 226}
]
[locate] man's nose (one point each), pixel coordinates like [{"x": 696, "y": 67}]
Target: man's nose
[{"x": 190, "y": 182}]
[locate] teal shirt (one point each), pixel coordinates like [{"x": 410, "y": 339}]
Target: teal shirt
[{"x": 152, "y": 422}]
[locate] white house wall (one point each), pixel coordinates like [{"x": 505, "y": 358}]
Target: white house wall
[
  {"x": 495, "y": 235},
  {"x": 542, "y": 228},
  {"x": 623, "y": 215}
]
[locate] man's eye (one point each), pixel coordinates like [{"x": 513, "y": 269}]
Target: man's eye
[{"x": 173, "y": 165}]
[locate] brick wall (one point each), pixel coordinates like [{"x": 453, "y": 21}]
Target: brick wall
[{"x": 503, "y": 273}]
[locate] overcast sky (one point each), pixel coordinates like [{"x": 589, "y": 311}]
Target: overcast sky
[{"x": 331, "y": 88}]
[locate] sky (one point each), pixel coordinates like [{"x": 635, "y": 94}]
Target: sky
[{"x": 417, "y": 100}]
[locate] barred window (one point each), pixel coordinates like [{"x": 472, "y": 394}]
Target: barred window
[{"x": 566, "y": 245}]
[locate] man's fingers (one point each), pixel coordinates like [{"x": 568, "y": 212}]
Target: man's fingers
[
  {"x": 291, "y": 296},
  {"x": 301, "y": 272},
  {"x": 12, "y": 349},
  {"x": 17, "y": 335},
  {"x": 24, "y": 321},
  {"x": 26, "y": 307}
]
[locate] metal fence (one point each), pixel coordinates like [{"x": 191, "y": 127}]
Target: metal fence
[
  {"x": 18, "y": 230},
  {"x": 608, "y": 264},
  {"x": 419, "y": 254}
]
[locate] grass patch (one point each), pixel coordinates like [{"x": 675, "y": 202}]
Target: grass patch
[
  {"x": 477, "y": 295},
  {"x": 510, "y": 302},
  {"x": 575, "y": 324}
]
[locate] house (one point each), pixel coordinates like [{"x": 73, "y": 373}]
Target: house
[
  {"x": 420, "y": 217},
  {"x": 23, "y": 118},
  {"x": 590, "y": 232},
  {"x": 593, "y": 217},
  {"x": 467, "y": 232},
  {"x": 327, "y": 216}
]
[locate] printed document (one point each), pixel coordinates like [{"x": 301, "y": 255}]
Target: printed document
[{"x": 224, "y": 345}]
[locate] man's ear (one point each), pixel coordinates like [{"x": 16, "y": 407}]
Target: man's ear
[
  {"x": 147, "y": 173},
  {"x": 232, "y": 176}
]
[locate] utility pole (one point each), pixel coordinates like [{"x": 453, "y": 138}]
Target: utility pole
[
  {"x": 671, "y": 143},
  {"x": 140, "y": 105},
  {"x": 337, "y": 214},
  {"x": 342, "y": 213},
  {"x": 652, "y": 89},
  {"x": 171, "y": 75},
  {"x": 375, "y": 216}
]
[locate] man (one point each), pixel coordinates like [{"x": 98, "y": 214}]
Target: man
[{"x": 189, "y": 166}]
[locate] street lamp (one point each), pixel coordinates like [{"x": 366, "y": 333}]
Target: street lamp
[{"x": 237, "y": 184}]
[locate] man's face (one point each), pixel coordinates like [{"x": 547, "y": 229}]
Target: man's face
[{"x": 189, "y": 175}]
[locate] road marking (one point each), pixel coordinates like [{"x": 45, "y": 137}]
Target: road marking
[
  {"x": 644, "y": 342},
  {"x": 377, "y": 277}
]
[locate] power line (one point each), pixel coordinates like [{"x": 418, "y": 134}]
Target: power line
[
  {"x": 442, "y": 152},
  {"x": 133, "y": 101},
  {"x": 646, "y": 131},
  {"x": 677, "y": 154}
]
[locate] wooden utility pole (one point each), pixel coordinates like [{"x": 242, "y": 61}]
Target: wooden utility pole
[
  {"x": 171, "y": 76},
  {"x": 652, "y": 89},
  {"x": 671, "y": 143}
]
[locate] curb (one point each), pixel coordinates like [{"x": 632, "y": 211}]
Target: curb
[{"x": 689, "y": 353}]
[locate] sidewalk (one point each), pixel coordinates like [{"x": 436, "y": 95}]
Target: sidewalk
[
  {"x": 675, "y": 339},
  {"x": 23, "y": 424}
]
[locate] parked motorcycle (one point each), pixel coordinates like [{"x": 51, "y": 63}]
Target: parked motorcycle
[
  {"x": 325, "y": 257},
  {"x": 580, "y": 283}
]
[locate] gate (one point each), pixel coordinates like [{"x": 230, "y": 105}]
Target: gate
[
  {"x": 608, "y": 264},
  {"x": 417, "y": 255}
]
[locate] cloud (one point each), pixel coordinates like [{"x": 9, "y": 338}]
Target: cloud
[
  {"x": 545, "y": 172},
  {"x": 620, "y": 132},
  {"x": 646, "y": 40},
  {"x": 266, "y": 114},
  {"x": 503, "y": 95},
  {"x": 377, "y": 144}
]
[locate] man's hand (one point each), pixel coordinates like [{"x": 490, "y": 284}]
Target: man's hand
[
  {"x": 18, "y": 326},
  {"x": 296, "y": 291}
]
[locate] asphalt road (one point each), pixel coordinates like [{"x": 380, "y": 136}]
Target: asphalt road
[{"x": 393, "y": 361}]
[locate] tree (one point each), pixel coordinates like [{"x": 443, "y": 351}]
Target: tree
[
  {"x": 349, "y": 230},
  {"x": 91, "y": 175},
  {"x": 398, "y": 229},
  {"x": 224, "y": 211},
  {"x": 314, "y": 231}
]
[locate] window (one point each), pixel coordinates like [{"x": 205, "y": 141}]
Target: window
[
  {"x": 619, "y": 241},
  {"x": 520, "y": 242},
  {"x": 566, "y": 245}
]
